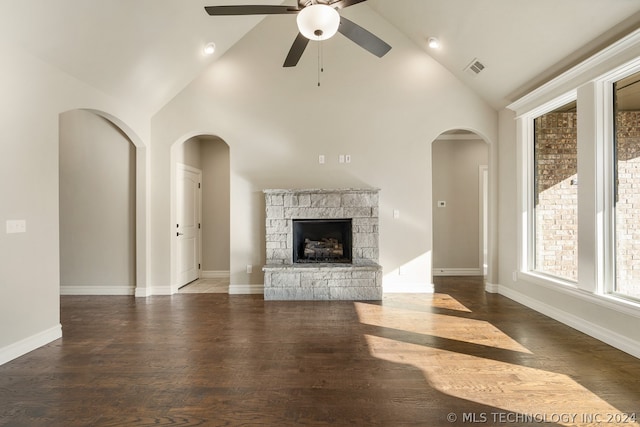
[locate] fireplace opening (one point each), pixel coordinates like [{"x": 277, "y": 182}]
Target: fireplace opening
[{"x": 322, "y": 241}]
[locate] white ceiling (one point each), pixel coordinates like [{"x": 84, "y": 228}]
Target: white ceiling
[{"x": 146, "y": 51}]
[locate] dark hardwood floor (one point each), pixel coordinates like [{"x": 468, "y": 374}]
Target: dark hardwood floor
[{"x": 459, "y": 357}]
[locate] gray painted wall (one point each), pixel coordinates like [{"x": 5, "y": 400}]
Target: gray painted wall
[
  {"x": 97, "y": 205},
  {"x": 215, "y": 204},
  {"x": 456, "y": 227}
]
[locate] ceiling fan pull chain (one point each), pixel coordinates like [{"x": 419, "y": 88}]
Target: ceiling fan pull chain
[
  {"x": 321, "y": 56},
  {"x": 320, "y": 60},
  {"x": 320, "y": 69}
]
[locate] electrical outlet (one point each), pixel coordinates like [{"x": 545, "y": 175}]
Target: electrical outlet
[
  {"x": 249, "y": 268},
  {"x": 321, "y": 159},
  {"x": 341, "y": 158},
  {"x": 396, "y": 214}
]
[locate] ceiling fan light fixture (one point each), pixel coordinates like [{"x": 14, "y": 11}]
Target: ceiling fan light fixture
[{"x": 318, "y": 22}]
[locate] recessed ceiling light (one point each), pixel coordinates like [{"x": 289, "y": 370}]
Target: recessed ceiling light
[
  {"x": 209, "y": 48},
  {"x": 433, "y": 43}
]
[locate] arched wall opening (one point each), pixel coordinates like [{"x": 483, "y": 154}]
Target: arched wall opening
[
  {"x": 102, "y": 202},
  {"x": 461, "y": 204},
  {"x": 206, "y": 158}
]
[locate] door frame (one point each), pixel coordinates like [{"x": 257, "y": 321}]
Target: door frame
[
  {"x": 179, "y": 168},
  {"x": 483, "y": 193}
]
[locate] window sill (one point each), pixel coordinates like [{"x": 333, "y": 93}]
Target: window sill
[{"x": 612, "y": 302}]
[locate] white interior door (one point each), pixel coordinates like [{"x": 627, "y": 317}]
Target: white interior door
[{"x": 187, "y": 229}]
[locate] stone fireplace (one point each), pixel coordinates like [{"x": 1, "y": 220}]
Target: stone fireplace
[{"x": 322, "y": 245}]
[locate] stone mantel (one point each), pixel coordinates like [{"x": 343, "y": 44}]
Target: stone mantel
[{"x": 285, "y": 280}]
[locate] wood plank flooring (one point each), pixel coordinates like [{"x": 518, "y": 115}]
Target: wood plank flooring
[{"x": 456, "y": 358}]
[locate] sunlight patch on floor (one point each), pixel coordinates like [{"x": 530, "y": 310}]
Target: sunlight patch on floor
[
  {"x": 537, "y": 393},
  {"x": 439, "y": 325},
  {"x": 449, "y": 349}
]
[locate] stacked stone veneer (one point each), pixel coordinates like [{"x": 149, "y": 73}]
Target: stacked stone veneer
[{"x": 284, "y": 280}]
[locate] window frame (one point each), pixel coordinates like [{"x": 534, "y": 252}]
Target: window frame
[
  {"x": 606, "y": 84},
  {"x": 588, "y": 80},
  {"x": 528, "y": 245}
]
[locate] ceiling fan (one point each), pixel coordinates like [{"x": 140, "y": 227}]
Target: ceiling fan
[{"x": 317, "y": 20}]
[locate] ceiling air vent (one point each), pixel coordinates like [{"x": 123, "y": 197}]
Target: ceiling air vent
[{"x": 475, "y": 67}]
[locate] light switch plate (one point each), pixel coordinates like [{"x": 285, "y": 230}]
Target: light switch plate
[{"x": 16, "y": 226}]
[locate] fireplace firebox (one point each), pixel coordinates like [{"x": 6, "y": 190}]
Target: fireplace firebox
[{"x": 322, "y": 241}]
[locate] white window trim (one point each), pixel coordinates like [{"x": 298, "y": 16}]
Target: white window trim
[
  {"x": 605, "y": 87},
  {"x": 527, "y": 226},
  {"x": 602, "y": 69}
]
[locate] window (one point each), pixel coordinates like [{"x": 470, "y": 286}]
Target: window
[
  {"x": 555, "y": 193},
  {"x": 627, "y": 185},
  {"x": 585, "y": 120}
]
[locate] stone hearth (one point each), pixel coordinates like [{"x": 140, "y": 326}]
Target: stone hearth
[{"x": 286, "y": 280}]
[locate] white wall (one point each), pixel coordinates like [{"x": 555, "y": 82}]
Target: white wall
[
  {"x": 97, "y": 206},
  {"x": 189, "y": 153},
  {"x": 456, "y": 226},
  {"x": 383, "y": 112},
  {"x": 34, "y": 94}
]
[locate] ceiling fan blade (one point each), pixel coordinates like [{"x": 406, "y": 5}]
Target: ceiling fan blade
[
  {"x": 341, "y": 4},
  {"x": 250, "y": 10},
  {"x": 296, "y": 51},
  {"x": 363, "y": 38}
]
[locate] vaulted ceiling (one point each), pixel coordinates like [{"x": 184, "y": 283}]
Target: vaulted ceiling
[{"x": 146, "y": 51}]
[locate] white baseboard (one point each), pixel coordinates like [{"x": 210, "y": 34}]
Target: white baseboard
[
  {"x": 24, "y": 346},
  {"x": 97, "y": 290},
  {"x": 491, "y": 288},
  {"x": 605, "y": 335},
  {"x": 143, "y": 292},
  {"x": 457, "y": 271},
  {"x": 246, "y": 289},
  {"x": 213, "y": 274},
  {"x": 161, "y": 290},
  {"x": 408, "y": 288}
]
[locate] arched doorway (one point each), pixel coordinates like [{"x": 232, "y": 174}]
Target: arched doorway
[
  {"x": 206, "y": 157},
  {"x": 460, "y": 179},
  {"x": 99, "y": 206}
]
